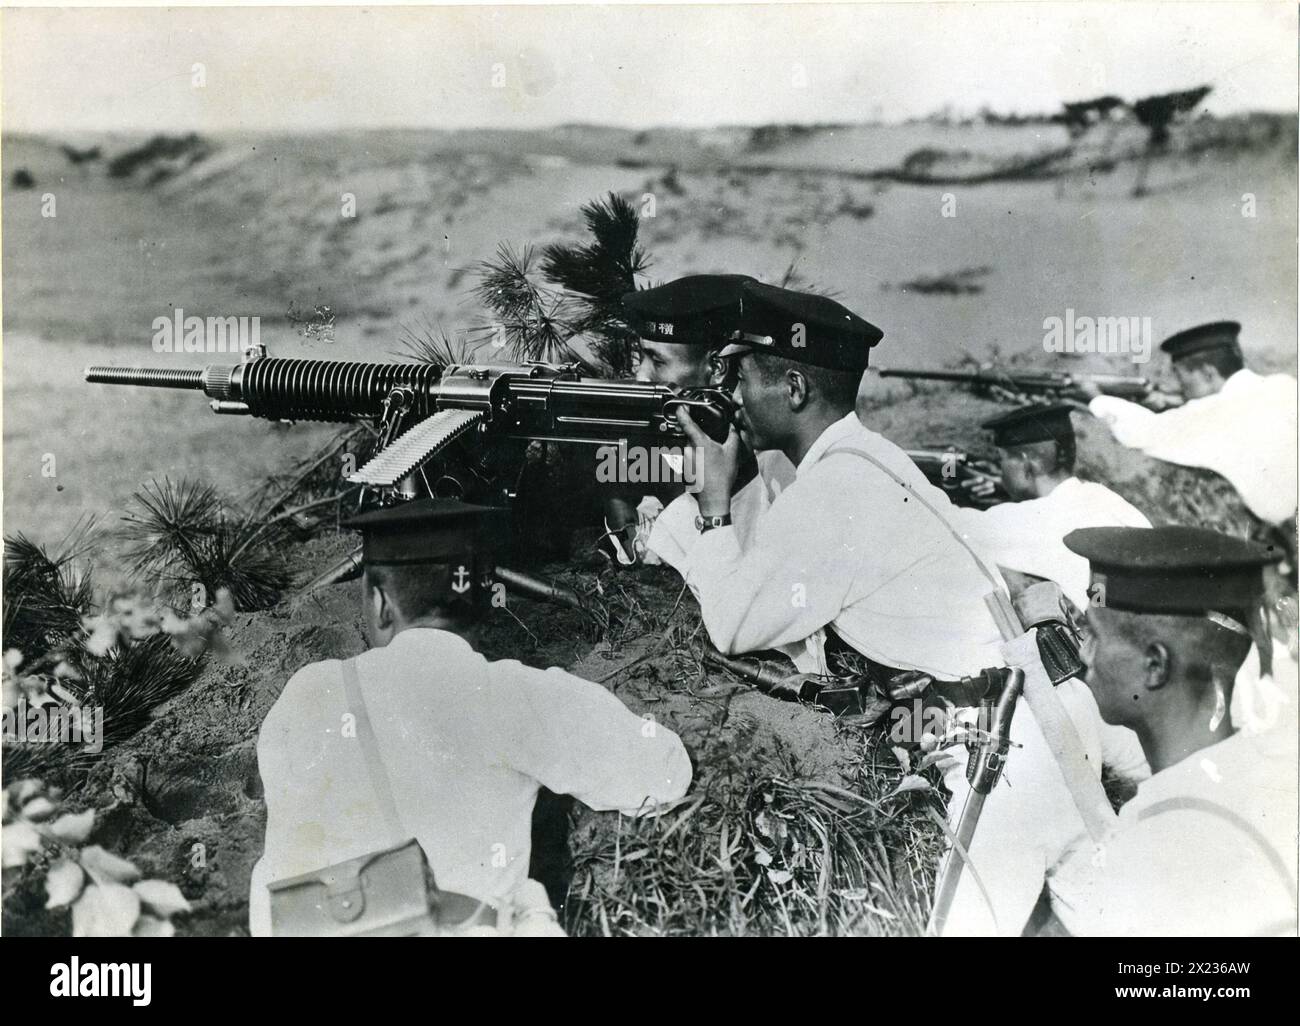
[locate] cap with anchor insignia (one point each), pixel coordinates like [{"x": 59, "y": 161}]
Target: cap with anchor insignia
[
  {"x": 803, "y": 327},
  {"x": 1032, "y": 424},
  {"x": 442, "y": 531},
  {"x": 698, "y": 310},
  {"x": 1172, "y": 570},
  {"x": 1203, "y": 338}
]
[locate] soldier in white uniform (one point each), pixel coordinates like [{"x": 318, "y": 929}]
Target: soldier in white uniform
[
  {"x": 680, "y": 327},
  {"x": 1026, "y": 537},
  {"x": 1226, "y": 405},
  {"x": 1037, "y": 448},
  {"x": 1209, "y": 843},
  {"x": 859, "y": 550},
  {"x": 466, "y": 742}
]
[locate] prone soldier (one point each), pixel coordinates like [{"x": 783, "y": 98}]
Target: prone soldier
[
  {"x": 681, "y": 327},
  {"x": 1026, "y": 536},
  {"x": 859, "y": 554},
  {"x": 1226, "y": 403}
]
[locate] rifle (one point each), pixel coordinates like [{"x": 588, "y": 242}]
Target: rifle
[
  {"x": 968, "y": 481},
  {"x": 421, "y": 409},
  {"x": 1047, "y": 384}
]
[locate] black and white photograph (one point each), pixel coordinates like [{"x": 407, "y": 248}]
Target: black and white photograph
[{"x": 592, "y": 471}]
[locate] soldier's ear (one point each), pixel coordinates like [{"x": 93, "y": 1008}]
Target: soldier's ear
[
  {"x": 381, "y": 607},
  {"x": 1158, "y": 665},
  {"x": 796, "y": 389}
]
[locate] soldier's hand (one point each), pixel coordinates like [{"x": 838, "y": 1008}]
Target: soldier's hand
[
  {"x": 715, "y": 466},
  {"x": 1086, "y": 390},
  {"x": 1159, "y": 401}
]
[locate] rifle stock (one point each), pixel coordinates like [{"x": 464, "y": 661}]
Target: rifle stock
[{"x": 968, "y": 481}]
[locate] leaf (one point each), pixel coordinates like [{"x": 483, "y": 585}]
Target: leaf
[
  {"x": 19, "y": 841},
  {"x": 224, "y": 606},
  {"x": 106, "y": 910},
  {"x": 103, "y": 636},
  {"x": 151, "y": 926},
  {"x": 25, "y": 789},
  {"x": 935, "y": 759},
  {"x": 165, "y": 899},
  {"x": 73, "y": 827},
  {"x": 762, "y": 856},
  {"x": 779, "y": 876},
  {"x": 904, "y": 759},
  {"x": 39, "y": 809},
  {"x": 106, "y": 868},
  {"x": 64, "y": 883},
  {"x": 910, "y": 782}
]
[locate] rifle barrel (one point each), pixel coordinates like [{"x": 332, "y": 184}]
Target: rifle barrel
[{"x": 932, "y": 375}]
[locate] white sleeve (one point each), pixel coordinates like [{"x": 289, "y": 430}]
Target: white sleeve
[
  {"x": 796, "y": 574},
  {"x": 576, "y": 738},
  {"x": 1122, "y": 754},
  {"x": 674, "y": 535},
  {"x": 1131, "y": 424}
]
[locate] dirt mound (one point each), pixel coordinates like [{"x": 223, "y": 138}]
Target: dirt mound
[{"x": 182, "y": 798}]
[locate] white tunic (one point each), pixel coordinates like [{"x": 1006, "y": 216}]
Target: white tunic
[
  {"x": 1246, "y": 432},
  {"x": 839, "y": 545},
  {"x": 466, "y": 743},
  {"x": 1029, "y": 536},
  {"x": 1208, "y": 846},
  {"x": 842, "y": 544}
]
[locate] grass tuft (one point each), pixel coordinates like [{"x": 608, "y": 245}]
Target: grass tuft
[
  {"x": 181, "y": 534},
  {"x": 761, "y": 854}
]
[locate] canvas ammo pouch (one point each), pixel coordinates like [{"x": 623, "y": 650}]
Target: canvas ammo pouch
[{"x": 389, "y": 892}]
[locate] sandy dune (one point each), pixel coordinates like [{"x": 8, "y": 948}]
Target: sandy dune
[{"x": 258, "y": 228}]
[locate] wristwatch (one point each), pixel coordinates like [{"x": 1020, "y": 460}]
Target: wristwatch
[{"x": 703, "y": 524}]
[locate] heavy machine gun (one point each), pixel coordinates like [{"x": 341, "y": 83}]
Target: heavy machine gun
[{"x": 419, "y": 410}]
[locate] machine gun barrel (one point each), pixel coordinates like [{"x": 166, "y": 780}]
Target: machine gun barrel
[
  {"x": 150, "y": 377},
  {"x": 280, "y": 389},
  {"x": 522, "y": 401}
]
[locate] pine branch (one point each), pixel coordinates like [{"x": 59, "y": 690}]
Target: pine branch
[
  {"x": 46, "y": 595},
  {"x": 599, "y": 274},
  {"x": 182, "y": 534}
]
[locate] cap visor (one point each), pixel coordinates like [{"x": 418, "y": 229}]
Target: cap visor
[{"x": 735, "y": 349}]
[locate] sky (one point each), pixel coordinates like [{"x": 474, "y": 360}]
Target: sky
[{"x": 318, "y": 69}]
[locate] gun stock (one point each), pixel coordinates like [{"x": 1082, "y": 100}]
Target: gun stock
[{"x": 968, "y": 481}]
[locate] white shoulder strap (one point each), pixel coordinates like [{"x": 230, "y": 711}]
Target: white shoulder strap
[
  {"x": 379, "y": 781},
  {"x": 983, "y": 567}
]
